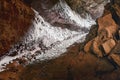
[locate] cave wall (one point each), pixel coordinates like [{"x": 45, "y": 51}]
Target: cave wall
[{"x": 15, "y": 19}]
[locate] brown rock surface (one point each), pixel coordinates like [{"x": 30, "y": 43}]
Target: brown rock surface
[
  {"x": 108, "y": 46},
  {"x": 107, "y": 23},
  {"x": 87, "y": 47},
  {"x": 96, "y": 47},
  {"x": 15, "y": 19},
  {"x": 74, "y": 65},
  {"x": 89, "y": 38},
  {"x": 117, "y": 48},
  {"x": 12, "y": 72},
  {"x": 106, "y": 31}
]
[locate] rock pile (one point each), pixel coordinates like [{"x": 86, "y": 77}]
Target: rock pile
[
  {"x": 105, "y": 38},
  {"x": 106, "y": 44}
]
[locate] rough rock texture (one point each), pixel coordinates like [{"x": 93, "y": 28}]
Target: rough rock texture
[
  {"x": 106, "y": 25},
  {"x": 106, "y": 43},
  {"x": 75, "y": 64},
  {"x": 15, "y": 19},
  {"x": 108, "y": 46},
  {"x": 107, "y": 28}
]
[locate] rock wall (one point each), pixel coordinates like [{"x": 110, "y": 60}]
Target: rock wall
[{"x": 15, "y": 18}]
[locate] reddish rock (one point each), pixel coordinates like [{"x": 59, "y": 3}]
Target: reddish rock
[
  {"x": 117, "y": 48},
  {"x": 88, "y": 46},
  {"x": 103, "y": 36},
  {"x": 107, "y": 23},
  {"x": 15, "y": 19},
  {"x": 95, "y": 48},
  {"x": 108, "y": 46},
  {"x": 107, "y": 28}
]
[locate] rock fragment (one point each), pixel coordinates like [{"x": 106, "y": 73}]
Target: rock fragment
[{"x": 108, "y": 46}]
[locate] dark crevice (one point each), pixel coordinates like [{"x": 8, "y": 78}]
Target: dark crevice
[
  {"x": 27, "y": 2},
  {"x": 115, "y": 17},
  {"x": 113, "y": 63}
]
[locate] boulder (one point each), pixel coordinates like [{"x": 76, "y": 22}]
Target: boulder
[
  {"x": 108, "y": 46},
  {"x": 88, "y": 46},
  {"x": 96, "y": 47}
]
